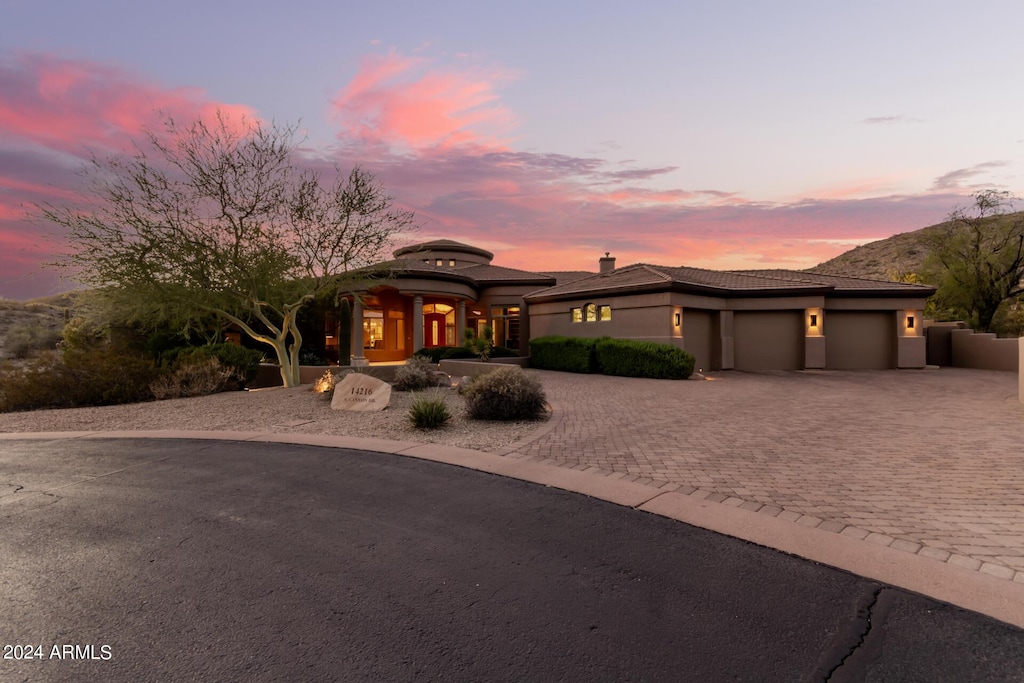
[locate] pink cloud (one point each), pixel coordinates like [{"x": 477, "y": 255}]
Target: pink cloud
[
  {"x": 68, "y": 105},
  {"x": 403, "y": 101}
]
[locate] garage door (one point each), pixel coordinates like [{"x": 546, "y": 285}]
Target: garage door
[
  {"x": 860, "y": 340},
  {"x": 768, "y": 340}
]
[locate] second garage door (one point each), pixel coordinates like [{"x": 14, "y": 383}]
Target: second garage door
[
  {"x": 860, "y": 340},
  {"x": 768, "y": 340}
]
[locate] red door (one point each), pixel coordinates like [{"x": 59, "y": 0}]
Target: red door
[{"x": 433, "y": 329}]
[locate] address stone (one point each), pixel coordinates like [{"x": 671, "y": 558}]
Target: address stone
[{"x": 361, "y": 393}]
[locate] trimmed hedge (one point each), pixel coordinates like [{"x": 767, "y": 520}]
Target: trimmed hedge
[
  {"x": 438, "y": 353},
  {"x": 568, "y": 354},
  {"x": 622, "y": 357},
  {"x": 631, "y": 358}
]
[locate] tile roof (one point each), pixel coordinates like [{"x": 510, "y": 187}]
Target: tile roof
[
  {"x": 647, "y": 277},
  {"x": 490, "y": 274},
  {"x": 839, "y": 282}
]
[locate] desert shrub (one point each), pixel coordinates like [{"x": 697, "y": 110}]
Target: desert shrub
[
  {"x": 325, "y": 384},
  {"x": 311, "y": 358},
  {"x": 78, "y": 334},
  {"x": 25, "y": 339},
  {"x": 480, "y": 346},
  {"x": 194, "y": 375},
  {"x": 505, "y": 394},
  {"x": 429, "y": 412},
  {"x": 78, "y": 377},
  {"x": 243, "y": 362},
  {"x": 417, "y": 373},
  {"x": 632, "y": 358},
  {"x": 568, "y": 354}
]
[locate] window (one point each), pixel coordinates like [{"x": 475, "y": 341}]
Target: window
[
  {"x": 604, "y": 313},
  {"x": 451, "y": 263},
  {"x": 439, "y": 262},
  {"x": 576, "y": 315},
  {"x": 590, "y": 313}
]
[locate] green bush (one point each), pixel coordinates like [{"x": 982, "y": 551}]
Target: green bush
[
  {"x": 631, "y": 358},
  {"x": 568, "y": 354},
  {"x": 417, "y": 373},
  {"x": 245, "y": 363},
  {"x": 25, "y": 339},
  {"x": 458, "y": 353},
  {"x": 79, "y": 377},
  {"x": 503, "y": 352},
  {"x": 505, "y": 394},
  {"x": 195, "y": 375},
  {"x": 429, "y": 413},
  {"x": 437, "y": 353}
]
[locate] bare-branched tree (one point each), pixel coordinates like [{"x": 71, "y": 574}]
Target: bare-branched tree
[
  {"x": 217, "y": 219},
  {"x": 978, "y": 257}
]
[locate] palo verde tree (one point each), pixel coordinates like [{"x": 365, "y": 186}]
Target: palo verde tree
[
  {"x": 977, "y": 257},
  {"x": 219, "y": 219}
]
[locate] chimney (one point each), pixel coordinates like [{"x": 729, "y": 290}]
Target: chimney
[{"x": 607, "y": 263}]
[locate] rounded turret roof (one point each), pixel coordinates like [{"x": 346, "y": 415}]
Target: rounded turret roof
[{"x": 442, "y": 245}]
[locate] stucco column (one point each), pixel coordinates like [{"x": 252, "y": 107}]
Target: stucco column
[
  {"x": 417, "y": 323},
  {"x": 814, "y": 339},
  {"x": 725, "y": 341},
  {"x": 460, "y": 321},
  {"x": 911, "y": 346},
  {"x": 524, "y": 328},
  {"x": 358, "y": 359},
  {"x": 1020, "y": 369}
]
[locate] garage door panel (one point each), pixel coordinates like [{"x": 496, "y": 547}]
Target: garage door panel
[
  {"x": 768, "y": 340},
  {"x": 697, "y": 336},
  {"x": 860, "y": 340}
]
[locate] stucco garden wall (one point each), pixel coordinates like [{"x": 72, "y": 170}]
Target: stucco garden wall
[{"x": 984, "y": 351}]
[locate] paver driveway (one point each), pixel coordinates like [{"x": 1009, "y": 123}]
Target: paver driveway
[{"x": 929, "y": 462}]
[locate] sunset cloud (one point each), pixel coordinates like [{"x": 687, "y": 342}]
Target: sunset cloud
[
  {"x": 71, "y": 105},
  {"x": 405, "y": 101},
  {"x": 957, "y": 180}
]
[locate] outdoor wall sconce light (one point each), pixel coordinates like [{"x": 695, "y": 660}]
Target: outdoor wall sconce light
[
  {"x": 814, "y": 319},
  {"x": 679, "y": 319},
  {"x": 910, "y": 322}
]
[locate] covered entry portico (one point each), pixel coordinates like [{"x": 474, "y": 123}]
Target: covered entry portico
[{"x": 440, "y": 289}]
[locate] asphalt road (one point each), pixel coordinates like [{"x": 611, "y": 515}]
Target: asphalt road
[{"x": 205, "y": 560}]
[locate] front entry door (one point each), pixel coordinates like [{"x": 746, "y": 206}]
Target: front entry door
[{"x": 433, "y": 329}]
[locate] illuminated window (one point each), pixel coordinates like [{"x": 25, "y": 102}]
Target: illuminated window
[
  {"x": 439, "y": 262},
  {"x": 451, "y": 263},
  {"x": 576, "y": 314},
  {"x": 604, "y": 312},
  {"x": 590, "y": 313}
]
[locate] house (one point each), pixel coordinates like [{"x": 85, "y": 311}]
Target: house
[{"x": 759, "y": 320}]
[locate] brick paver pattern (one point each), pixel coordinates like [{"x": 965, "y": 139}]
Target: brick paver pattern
[{"x": 925, "y": 461}]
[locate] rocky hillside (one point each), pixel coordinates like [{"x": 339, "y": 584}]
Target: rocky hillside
[
  {"x": 33, "y": 323},
  {"x": 903, "y": 253}
]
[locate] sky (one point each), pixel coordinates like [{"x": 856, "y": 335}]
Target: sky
[{"x": 717, "y": 135}]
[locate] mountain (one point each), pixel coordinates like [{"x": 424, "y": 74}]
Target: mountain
[{"x": 902, "y": 253}]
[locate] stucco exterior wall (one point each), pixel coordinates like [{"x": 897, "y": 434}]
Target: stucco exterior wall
[
  {"x": 984, "y": 351},
  {"x": 646, "y": 317}
]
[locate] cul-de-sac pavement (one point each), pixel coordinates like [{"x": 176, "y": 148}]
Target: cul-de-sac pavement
[{"x": 234, "y": 558}]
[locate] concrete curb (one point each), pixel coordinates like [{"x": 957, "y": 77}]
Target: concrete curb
[{"x": 976, "y": 591}]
